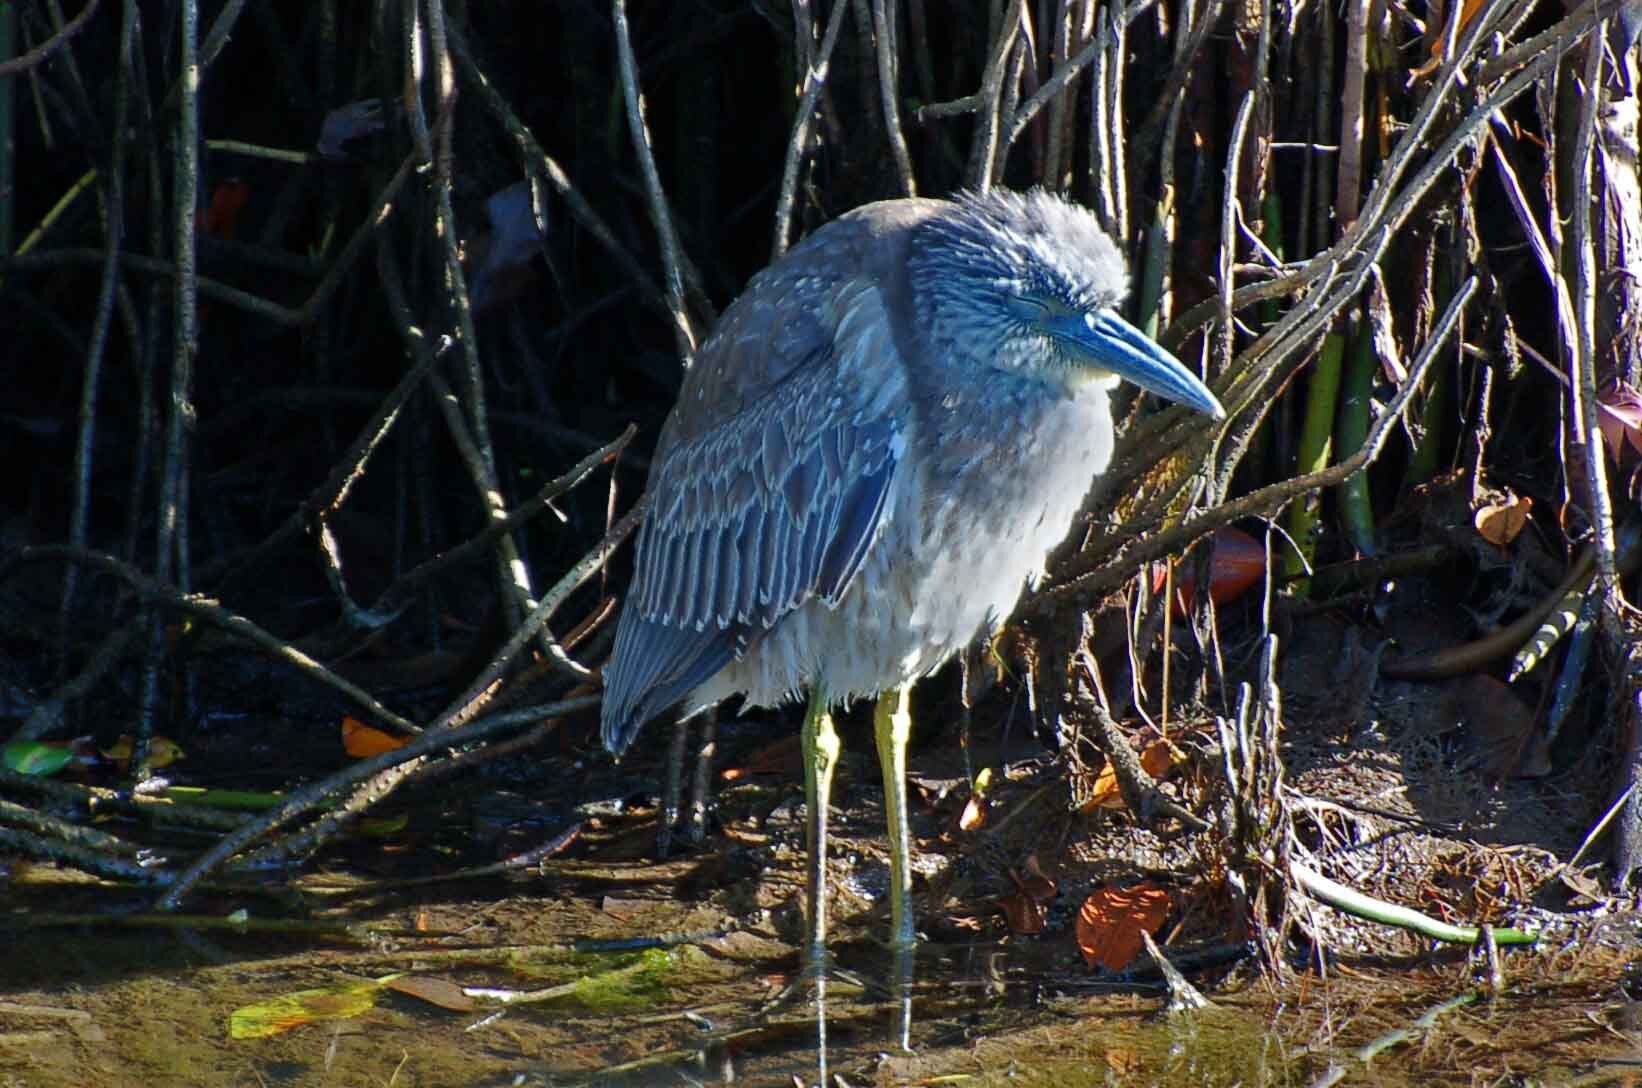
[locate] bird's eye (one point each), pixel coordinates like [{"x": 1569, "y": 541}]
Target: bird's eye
[{"x": 1026, "y": 308}]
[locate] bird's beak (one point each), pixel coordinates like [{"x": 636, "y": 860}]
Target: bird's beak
[{"x": 1115, "y": 345}]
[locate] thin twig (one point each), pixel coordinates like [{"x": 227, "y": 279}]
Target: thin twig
[
  {"x": 661, "y": 216},
  {"x": 44, "y": 51},
  {"x": 391, "y": 598},
  {"x": 1051, "y": 87},
  {"x": 988, "y": 122},
  {"x": 317, "y": 793},
  {"x": 798, "y": 143},
  {"x": 164, "y": 595},
  {"x": 1581, "y": 339},
  {"x": 543, "y": 165},
  {"x": 328, "y": 497},
  {"x": 1226, "y": 338},
  {"x": 1085, "y": 578},
  {"x": 1348, "y": 179},
  {"x": 883, "y": 22}
]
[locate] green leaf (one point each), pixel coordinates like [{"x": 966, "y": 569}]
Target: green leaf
[{"x": 35, "y": 757}]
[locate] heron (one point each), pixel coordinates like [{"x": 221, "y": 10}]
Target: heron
[{"x": 870, "y": 459}]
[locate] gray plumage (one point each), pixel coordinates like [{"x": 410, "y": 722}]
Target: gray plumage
[{"x": 875, "y": 451}]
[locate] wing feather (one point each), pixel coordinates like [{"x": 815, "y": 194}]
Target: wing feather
[{"x": 757, "y": 515}]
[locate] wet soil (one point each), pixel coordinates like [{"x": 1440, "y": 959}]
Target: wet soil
[
  {"x": 659, "y": 972},
  {"x": 408, "y": 956},
  {"x": 95, "y": 1005}
]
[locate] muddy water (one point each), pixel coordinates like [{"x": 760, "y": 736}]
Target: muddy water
[{"x": 99, "y": 1004}]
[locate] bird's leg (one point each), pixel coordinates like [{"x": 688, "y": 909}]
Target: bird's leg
[
  {"x": 892, "y": 725},
  {"x": 672, "y": 786},
  {"x": 702, "y": 783},
  {"x": 821, "y": 751}
]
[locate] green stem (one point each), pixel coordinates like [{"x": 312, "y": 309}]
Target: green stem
[
  {"x": 1316, "y": 448},
  {"x": 1354, "y": 902},
  {"x": 1356, "y": 504}
]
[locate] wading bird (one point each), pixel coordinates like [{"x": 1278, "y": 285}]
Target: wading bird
[{"x": 871, "y": 457}]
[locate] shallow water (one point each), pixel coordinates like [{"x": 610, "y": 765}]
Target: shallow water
[{"x": 116, "y": 1005}]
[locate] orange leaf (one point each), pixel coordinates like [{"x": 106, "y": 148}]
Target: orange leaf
[
  {"x": 1160, "y": 757},
  {"x": 1499, "y": 522},
  {"x": 1239, "y": 561},
  {"x": 1157, "y": 759},
  {"x": 1106, "y": 793},
  {"x": 363, "y": 741},
  {"x": 1112, "y": 919}
]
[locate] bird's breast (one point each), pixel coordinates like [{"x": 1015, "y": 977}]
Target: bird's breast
[
  {"x": 999, "y": 491},
  {"x": 976, "y": 507}
]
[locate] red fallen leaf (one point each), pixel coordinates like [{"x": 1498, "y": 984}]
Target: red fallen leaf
[
  {"x": 221, "y": 218},
  {"x": 784, "y": 757},
  {"x": 1037, "y": 883},
  {"x": 1111, "y": 920},
  {"x": 363, "y": 741},
  {"x": 1024, "y": 913},
  {"x": 1239, "y": 561}
]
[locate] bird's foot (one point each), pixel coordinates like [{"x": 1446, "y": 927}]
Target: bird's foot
[{"x": 817, "y": 981}]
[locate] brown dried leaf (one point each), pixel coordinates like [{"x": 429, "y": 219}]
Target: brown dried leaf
[
  {"x": 1025, "y": 914},
  {"x": 1381, "y": 325},
  {"x": 1111, "y": 921},
  {"x": 1500, "y": 521},
  {"x": 1619, "y": 414},
  {"x": 435, "y": 991},
  {"x": 1036, "y": 883}
]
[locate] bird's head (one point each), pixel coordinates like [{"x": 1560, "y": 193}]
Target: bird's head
[{"x": 1029, "y": 283}]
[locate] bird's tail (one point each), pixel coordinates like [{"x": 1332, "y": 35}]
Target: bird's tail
[{"x": 652, "y": 667}]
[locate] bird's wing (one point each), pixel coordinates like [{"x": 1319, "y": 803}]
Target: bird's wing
[{"x": 758, "y": 514}]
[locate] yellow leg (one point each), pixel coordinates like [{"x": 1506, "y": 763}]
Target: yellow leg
[
  {"x": 892, "y": 726},
  {"x": 821, "y": 750}
]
